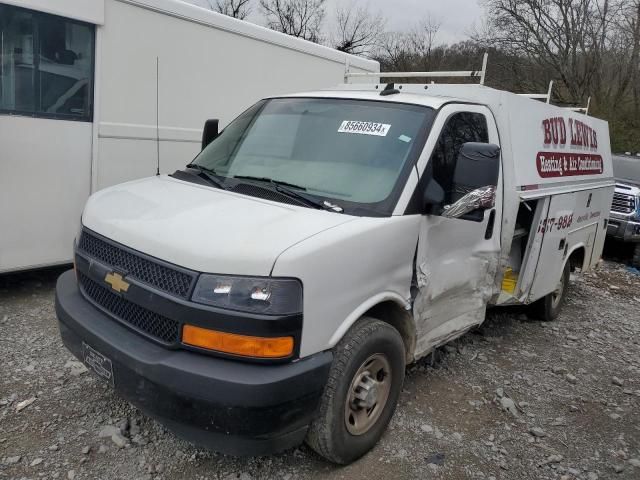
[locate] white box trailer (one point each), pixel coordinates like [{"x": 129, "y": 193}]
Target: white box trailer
[
  {"x": 79, "y": 105},
  {"x": 283, "y": 280}
]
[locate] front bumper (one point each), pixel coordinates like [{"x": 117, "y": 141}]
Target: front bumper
[
  {"x": 229, "y": 406},
  {"x": 623, "y": 229}
]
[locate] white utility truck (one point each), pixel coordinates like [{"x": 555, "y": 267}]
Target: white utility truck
[
  {"x": 98, "y": 92},
  {"x": 274, "y": 289}
]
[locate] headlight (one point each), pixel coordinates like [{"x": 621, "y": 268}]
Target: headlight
[{"x": 270, "y": 296}]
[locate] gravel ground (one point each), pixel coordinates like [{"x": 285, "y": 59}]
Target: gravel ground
[{"x": 515, "y": 399}]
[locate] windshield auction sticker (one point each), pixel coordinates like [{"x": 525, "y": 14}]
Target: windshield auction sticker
[{"x": 364, "y": 128}]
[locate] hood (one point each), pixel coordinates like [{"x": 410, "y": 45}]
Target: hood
[
  {"x": 627, "y": 170},
  {"x": 629, "y": 182},
  {"x": 200, "y": 227}
]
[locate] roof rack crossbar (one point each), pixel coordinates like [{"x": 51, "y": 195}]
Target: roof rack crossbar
[
  {"x": 468, "y": 73},
  {"x": 584, "y": 110},
  {"x": 540, "y": 96}
]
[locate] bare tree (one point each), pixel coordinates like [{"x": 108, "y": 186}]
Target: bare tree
[
  {"x": 410, "y": 50},
  {"x": 232, "y": 8},
  {"x": 358, "y": 30},
  {"x": 395, "y": 53},
  {"x": 626, "y": 45},
  {"x": 570, "y": 38},
  {"x": 299, "y": 18},
  {"x": 591, "y": 46},
  {"x": 422, "y": 36}
]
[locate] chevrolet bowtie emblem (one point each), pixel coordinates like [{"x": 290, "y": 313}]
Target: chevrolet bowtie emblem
[{"x": 117, "y": 282}]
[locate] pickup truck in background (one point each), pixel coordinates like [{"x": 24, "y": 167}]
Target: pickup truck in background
[{"x": 624, "y": 223}]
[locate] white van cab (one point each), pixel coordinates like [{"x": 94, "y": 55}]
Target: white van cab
[{"x": 274, "y": 290}]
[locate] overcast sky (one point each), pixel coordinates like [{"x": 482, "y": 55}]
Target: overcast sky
[{"x": 457, "y": 17}]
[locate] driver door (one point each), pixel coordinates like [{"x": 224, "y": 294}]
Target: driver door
[{"x": 457, "y": 258}]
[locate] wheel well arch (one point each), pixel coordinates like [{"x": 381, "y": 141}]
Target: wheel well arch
[
  {"x": 399, "y": 318},
  {"x": 576, "y": 257}
]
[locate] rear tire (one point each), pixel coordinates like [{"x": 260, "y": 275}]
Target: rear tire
[
  {"x": 635, "y": 261},
  {"x": 548, "y": 307},
  {"x": 361, "y": 394}
]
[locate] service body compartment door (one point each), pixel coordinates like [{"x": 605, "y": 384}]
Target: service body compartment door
[{"x": 571, "y": 222}]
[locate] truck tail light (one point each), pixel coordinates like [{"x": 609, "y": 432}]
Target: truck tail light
[{"x": 232, "y": 343}]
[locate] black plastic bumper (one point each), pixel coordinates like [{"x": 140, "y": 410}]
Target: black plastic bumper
[
  {"x": 229, "y": 406},
  {"x": 623, "y": 229}
]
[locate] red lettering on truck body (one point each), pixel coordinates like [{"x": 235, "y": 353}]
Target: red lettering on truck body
[
  {"x": 555, "y": 131},
  {"x": 556, "y": 164},
  {"x": 580, "y": 134}
]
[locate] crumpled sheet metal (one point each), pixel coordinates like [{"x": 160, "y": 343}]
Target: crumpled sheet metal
[
  {"x": 483, "y": 197},
  {"x": 452, "y": 292}
]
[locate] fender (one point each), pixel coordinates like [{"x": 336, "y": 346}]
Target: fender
[
  {"x": 576, "y": 247},
  {"x": 365, "y": 307}
]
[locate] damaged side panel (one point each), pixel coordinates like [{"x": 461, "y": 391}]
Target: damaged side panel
[
  {"x": 349, "y": 269},
  {"x": 458, "y": 249},
  {"x": 455, "y": 272}
]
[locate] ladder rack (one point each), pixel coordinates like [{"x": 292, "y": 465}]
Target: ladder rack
[
  {"x": 540, "y": 96},
  {"x": 584, "y": 110},
  {"x": 481, "y": 74},
  {"x": 469, "y": 73},
  {"x": 547, "y": 98}
]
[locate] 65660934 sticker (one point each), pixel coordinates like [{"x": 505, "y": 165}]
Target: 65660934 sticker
[{"x": 364, "y": 128}]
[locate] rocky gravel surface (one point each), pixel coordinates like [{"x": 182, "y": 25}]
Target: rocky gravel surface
[{"x": 515, "y": 399}]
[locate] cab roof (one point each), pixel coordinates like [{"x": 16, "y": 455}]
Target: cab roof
[{"x": 372, "y": 92}]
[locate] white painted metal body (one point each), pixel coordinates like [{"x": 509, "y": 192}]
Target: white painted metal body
[
  {"x": 349, "y": 264},
  {"x": 210, "y": 66}
]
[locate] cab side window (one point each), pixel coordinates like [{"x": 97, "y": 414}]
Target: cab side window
[{"x": 460, "y": 128}]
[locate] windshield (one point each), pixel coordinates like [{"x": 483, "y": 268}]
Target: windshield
[{"x": 349, "y": 151}]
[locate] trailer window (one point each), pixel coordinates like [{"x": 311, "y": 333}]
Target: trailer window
[{"x": 46, "y": 65}]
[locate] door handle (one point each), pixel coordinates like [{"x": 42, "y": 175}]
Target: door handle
[{"x": 490, "y": 225}]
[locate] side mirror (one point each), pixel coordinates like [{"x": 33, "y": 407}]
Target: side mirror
[
  {"x": 433, "y": 196},
  {"x": 474, "y": 180},
  {"x": 482, "y": 198},
  {"x": 210, "y": 132},
  {"x": 478, "y": 165}
]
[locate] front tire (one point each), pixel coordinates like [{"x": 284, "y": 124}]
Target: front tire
[
  {"x": 362, "y": 392},
  {"x": 548, "y": 308}
]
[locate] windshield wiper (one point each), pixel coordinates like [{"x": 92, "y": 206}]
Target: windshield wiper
[
  {"x": 286, "y": 189},
  {"x": 271, "y": 180},
  {"x": 209, "y": 174}
]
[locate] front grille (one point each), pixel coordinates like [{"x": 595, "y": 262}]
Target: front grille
[
  {"x": 265, "y": 194},
  {"x": 623, "y": 203},
  {"x": 151, "y": 323},
  {"x": 167, "y": 279}
]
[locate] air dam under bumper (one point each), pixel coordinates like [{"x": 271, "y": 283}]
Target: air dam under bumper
[{"x": 232, "y": 407}]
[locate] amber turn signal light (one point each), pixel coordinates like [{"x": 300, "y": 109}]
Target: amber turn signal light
[{"x": 243, "y": 345}]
